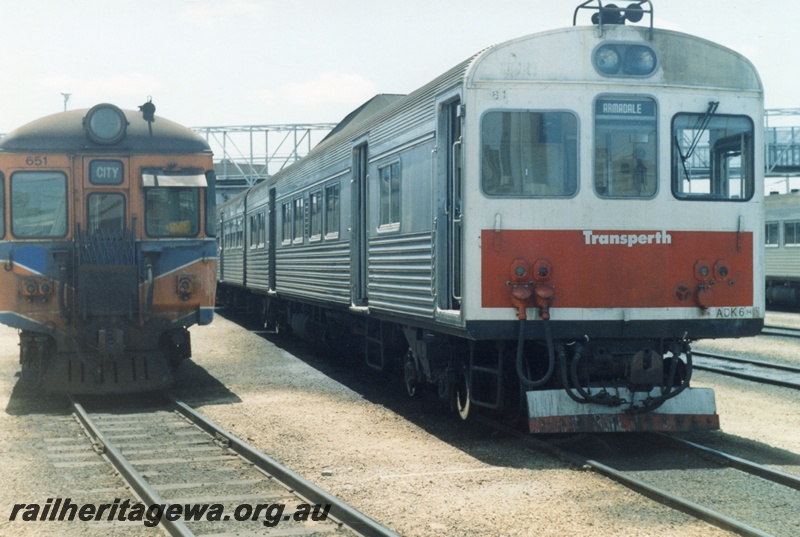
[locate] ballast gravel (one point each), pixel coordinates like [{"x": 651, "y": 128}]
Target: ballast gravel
[{"x": 405, "y": 462}]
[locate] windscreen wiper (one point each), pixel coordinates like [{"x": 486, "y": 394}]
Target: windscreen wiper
[{"x": 699, "y": 128}]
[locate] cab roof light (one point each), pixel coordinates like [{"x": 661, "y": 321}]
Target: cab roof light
[{"x": 105, "y": 124}]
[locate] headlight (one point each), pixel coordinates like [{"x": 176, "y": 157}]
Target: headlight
[
  {"x": 607, "y": 59},
  {"x": 639, "y": 61},
  {"x": 105, "y": 124}
]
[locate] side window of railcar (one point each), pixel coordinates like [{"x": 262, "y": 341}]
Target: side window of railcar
[
  {"x": 2, "y": 205},
  {"x": 38, "y": 204},
  {"x": 771, "y": 234},
  {"x": 712, "y": 157},
  {"x": 332, "y": 211},
  {"x": 791, "y": 234},
  {"x": 529, "y": 153},
  {"x": 106, "y": 212},
  {"x": 389, "y": 196},
  {"x": 172, "y": 212},
  {"x": 211, "y": 204},
  {"x": 286, "y": 223},
  {"x": 257, "y": 230},
  {"x": 625, "y": 147},
  {"x": 298, "y": 221},
  {"x": 261, "y": 235},
  {"x": 315, "y": 215}
]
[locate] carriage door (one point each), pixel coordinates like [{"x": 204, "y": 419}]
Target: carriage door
[
  {"x": 452, "y": 113},
  {"x": 107, "y": 274},
  {"x": 359, "y": 230}
]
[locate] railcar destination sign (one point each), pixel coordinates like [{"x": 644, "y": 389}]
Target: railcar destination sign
[{"x": 623, "y": 107}]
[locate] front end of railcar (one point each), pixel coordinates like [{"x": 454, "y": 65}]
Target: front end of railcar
[
  {"x": 108, "y": 248},
  {"x": 613, "y": 189}
]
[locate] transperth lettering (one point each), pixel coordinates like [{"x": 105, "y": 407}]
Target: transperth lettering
[{"x": 629, "y": 239}]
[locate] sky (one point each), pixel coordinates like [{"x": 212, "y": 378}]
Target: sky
[{"x": 264, "y": 62}]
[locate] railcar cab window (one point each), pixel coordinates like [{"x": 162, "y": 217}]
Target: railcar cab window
[
  {"x": 625, "y": 147},
  {"x": 529, "y": 154},
  {"x": 172, "y": 204},
  {"x": 38, "y": 204},
  {"x": 106, "y": 212},
  {"x": 712, "y": 157}
]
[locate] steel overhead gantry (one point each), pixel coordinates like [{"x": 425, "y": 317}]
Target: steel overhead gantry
[
  {"x": 245, "y": 155},
  {"x": 782, "y": 142}
]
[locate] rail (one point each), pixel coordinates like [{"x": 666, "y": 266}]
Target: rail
[{"x": 281, "y": 482}]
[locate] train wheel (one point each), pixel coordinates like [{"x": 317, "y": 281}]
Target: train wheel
[{"x": 462, "y": 395}]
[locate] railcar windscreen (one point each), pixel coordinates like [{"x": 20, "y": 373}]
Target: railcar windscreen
[
  {"x": 38, "y": 204},
  {"x": 625, "y": 159},
  {"x": 712, "y": 157},
  {"x": 531, "y": 154},
  {"x": 172, "y": 212}
]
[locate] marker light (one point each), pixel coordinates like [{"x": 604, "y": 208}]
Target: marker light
[{"x": 105, "y": 124}]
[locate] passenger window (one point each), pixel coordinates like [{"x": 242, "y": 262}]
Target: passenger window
[
  {"x": 315, "y": 215},
  {"x": 712, "y": 157},
  {"x": 106, "y": 212},
  {"x": 172, "y": 212},
  {"x": 332, "y": 211},
  {"x": 2, "y": 205},
  {"x": 529, "y": 154},
  {"x": 39, "y": 204},
  {"x": 286, "y": 223},
  {"x": 625, "y": 148},
  {"x": 253, "y": 231},
  {"x": 390, "y": 195},
  {"x": 791, "y": 233},
  {"x": 298, "y": 222},
  {"x": 771, "y": 234}
]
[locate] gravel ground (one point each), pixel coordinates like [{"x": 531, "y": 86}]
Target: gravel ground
[
  {"x": 768, "y": 415},
  {"x": 402, "y": 461}
]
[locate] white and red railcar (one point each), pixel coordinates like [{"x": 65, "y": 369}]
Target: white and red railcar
[{"x": 543, "y": 229}]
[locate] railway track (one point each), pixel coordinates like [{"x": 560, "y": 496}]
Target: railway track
[
  {"x": 781, "y": 331},
  {"x": 787, "y": 376},
  {"x": 173, "y": 457},
  {"x": 716, "y": 487}
]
